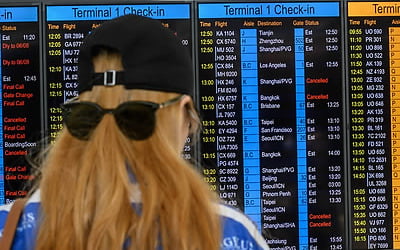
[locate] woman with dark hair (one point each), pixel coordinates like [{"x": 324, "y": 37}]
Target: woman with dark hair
[{"x": 114, "y": 178}]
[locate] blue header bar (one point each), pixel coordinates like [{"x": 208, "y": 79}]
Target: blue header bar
[
  {"x": 18, "y": 14},
  {"x": 105, "y": 12},
  {"x": 240, "y": 10}
]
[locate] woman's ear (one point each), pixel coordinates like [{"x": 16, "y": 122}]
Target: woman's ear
[
  {"x": 185, "y": 100},
  {"x": 184, "y": 105}
]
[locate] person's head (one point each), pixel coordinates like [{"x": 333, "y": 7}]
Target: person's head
[
  {"x": 114, "y": 151},
  {"x": 150, "y": 63}
]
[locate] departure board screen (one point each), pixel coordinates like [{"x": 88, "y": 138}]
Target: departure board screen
[
  {"x": 66, "y": 26},
  {"x": 270, "y": 87},
  {"x": 20, "y": 96},
  {"x": 374, "y": 98}
]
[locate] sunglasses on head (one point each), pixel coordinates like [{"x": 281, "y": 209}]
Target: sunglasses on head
[{"x": 135, "y": 119}]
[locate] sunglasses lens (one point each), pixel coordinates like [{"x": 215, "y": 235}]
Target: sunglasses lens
[
  {"x": 135, "y": 120},
  {"x": 81, "y": 119}
]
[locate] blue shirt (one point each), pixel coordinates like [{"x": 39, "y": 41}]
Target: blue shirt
[{"x": 239, "y": 233}]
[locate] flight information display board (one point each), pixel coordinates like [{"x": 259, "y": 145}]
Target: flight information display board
[
  {"x": 374, "y": 109},
  {"x": 20, "y": 97},
  {"x": 299, "y": 100},
  {"x": 270, "y": 93},
  {"x": 66, "y": 26}
]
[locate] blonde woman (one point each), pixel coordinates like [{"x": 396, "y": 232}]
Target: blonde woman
[{"x": 114, "y": 178}]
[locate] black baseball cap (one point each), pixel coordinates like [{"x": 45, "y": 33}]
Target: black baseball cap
[{"x": 153, "y": 57}]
